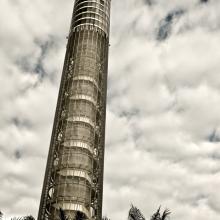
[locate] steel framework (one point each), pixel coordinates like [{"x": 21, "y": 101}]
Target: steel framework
[{"x": 74, "y": 173}]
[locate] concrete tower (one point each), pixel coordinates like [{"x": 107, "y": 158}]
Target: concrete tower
[{"x": 73, "y": 180}]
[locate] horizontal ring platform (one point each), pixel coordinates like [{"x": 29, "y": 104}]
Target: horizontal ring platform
[
  {"x": 75, "y": 173},
  {"x": 86, "y": 78},
  {"x": 72, "y": 207},
  {"x": 78, "y": 144},
  {"x": 84, "y": 97},
  {"x": 81, "y": 119}
]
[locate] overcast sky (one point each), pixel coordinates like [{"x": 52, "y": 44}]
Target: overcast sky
[{"x": 163, "y": 112}]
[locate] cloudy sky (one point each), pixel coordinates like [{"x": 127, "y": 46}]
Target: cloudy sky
[{"x": 163, "y": 113}]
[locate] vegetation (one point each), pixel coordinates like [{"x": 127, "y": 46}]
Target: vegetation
[
  {"x": 28, "y": 217},
  {"x": 134, "y": 214},
  {"x": 159, "y": 216},
  {"x": 79, "y": 215}
]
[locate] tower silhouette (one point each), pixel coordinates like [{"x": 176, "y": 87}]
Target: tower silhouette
[{"x": 73, "y": 182}]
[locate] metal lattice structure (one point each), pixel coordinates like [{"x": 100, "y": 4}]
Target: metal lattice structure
[{"x": 74, "y": 173}]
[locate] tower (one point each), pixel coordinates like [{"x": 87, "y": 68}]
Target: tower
[{"x": 73, "y": 181}]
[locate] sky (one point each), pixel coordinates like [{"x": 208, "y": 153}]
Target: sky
[{"x": 163, "y": 121}]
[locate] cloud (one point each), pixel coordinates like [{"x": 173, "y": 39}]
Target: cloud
[
  {"x": 166, "y": 24},
  {"x": 204, "y": 1},
  {"x": 162, "y": 135}
]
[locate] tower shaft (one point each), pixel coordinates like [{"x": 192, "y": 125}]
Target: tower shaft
[{"x": 74, "y": 173}]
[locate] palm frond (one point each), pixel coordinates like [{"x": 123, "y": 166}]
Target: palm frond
[
  {"x": 62, "y": 214},
  {"x": 28, "y": 217},
  {"x": 166, "y": 213},
  {"x": 156, "y": 215},
  {"x": 135, "y": 214},
  {"x": 80, "y": 216},
  {"x": 17, "y": 218}
]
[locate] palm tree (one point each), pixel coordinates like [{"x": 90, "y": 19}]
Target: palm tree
[
  {"x": 79, "y": 215},
  {"x": 157, "y": 216},
  {"x": 135, "y": 214},
  {"x": 166, "y": 213},
  {"x": 1, "y": 215},
  {"x": 28, "y": 217},
  {"x": 62, "y": 215}
]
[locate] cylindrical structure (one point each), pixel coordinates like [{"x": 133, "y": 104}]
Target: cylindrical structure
[{"x": 73, "y": 180}]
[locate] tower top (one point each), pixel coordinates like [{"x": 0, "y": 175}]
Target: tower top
[{"x": 91, "y": 13}]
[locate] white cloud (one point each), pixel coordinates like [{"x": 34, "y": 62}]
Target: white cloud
[{"x": 163, "y": 134}]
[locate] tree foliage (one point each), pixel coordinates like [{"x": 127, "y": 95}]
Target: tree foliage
[
  {"x": 135, "y": 214},
  {"x": 28, "y": 217},
  {"x": 79, "y": 216},
  {"x": 158, "y": 216},
  {"x": 1, "y": 215}
]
